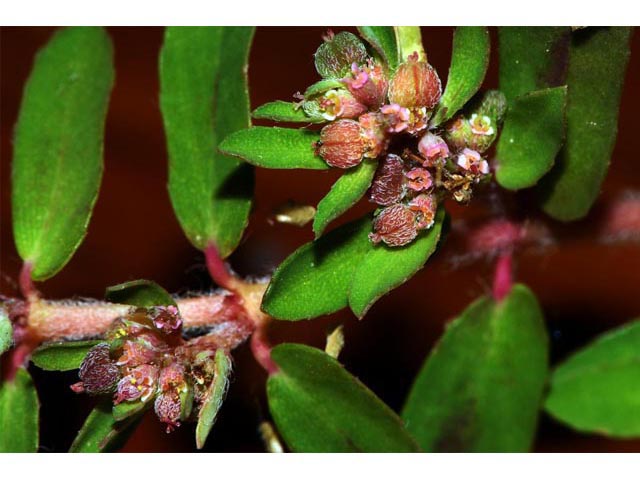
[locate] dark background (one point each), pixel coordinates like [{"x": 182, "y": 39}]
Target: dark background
[{"x": 584, "y": 285}]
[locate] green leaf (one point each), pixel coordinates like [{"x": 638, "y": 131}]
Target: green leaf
[
  {"x": 314, "y": 280},
  {"x": 57, "y": 156},
  {"x": 6, "y": 331},
  {"x": 101, "y": 433},
  {"x": 383, "y": 40},
  {"x": 384, "y": 268},
  {"x": 62, "y": 356},
  {"x": 480, "y": 388},
  {"x": 213, "y": 401},
  {"x": 597, "y": 390},
  {"x": 409, "y": 41},
  {"x": 204, "y": 97},
  {"x": 280, "y": 111},
  {"x": 139, "y": 293},
  {"x": 531, "y": 137},
  {"x": 349, "y": 188},
  {"x": 597, "y": 65},
  {"x": 127, "y": 410},
  {"x": 275, "y": 147},
  {"x": 323, "y": 86},
  {"x": 469, "y": 62},
  {"x": 320, "y": 407},
  {"x": 532, "y": 58},
  {"x": 19, "y": 412}
]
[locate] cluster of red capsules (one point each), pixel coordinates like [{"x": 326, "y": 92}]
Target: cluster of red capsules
[
  {"x": 374, "y": 111},
  {"x": 143, "y": 360}
]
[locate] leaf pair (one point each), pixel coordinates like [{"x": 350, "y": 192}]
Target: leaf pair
[
  {"x": 592, "y": 63},
  {"x": 343, "y": 268}
]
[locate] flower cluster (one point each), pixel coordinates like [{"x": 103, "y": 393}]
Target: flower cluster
[
  {"x": 145, "y": 361},
  {"x": 375, "y": 113}
]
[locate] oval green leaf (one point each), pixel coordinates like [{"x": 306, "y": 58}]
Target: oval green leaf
[
  {"x": 280, "y": 111},
  {"x": 275, "y": 147},
  {"x": 347, "y": 190},
  {"x": 320, "y": 407},
  {"x": 597, "y": 65},
  {"x": 384, "y": 268},
  {"x": 384, "y": 42},
  {"x": 101, "y": 433},
  {"x": 531, "y": 137},
  {"x": 213, "y": 401},
  {"x": 128, "y": 410},
  {"x": 62, "y": 356},
  {"x": 409, "y": 41},
  {"x": 19, "y": 412},
  {"x": 469, "y": 63},
  {"x": 139, "y": 293},
  {"x": 204, "y": 97},
  {"x": 6, "y": 331},
  {"x": 314, "y": 280},
  {"x": 57, "y": 161},
  {"x": 532, "y": 58},
  {"x": 597, "y": 390},
  {"x": 481, "y": 386}
]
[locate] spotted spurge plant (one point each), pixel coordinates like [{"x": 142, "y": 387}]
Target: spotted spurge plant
[{"x": 408, "y": 140}]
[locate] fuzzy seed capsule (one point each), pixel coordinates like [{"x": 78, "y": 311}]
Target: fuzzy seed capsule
[
  {"x": 395, "y": 226},
  {"x": 415, "y": 85},
  {"x": 342, "y": 144},
  {"x": 333, "y": 59},
  {"x": 99, "y": 374},
  {"x": 386, "y": 188}
]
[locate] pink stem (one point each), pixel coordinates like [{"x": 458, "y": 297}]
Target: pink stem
[
  {"x": 503, "y": 276},
  {"x": 26, "y": 284},
  {"x": 261, "y": 350},
  {"x": 218, "y": 269}
]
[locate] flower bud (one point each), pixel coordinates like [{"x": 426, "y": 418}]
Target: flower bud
[
  {"x": 386, "y": 188},
  {"x": 433, "y": 149},
  {"x": 458, "y": 133},
  {"x": 415, "y": 84},
  {"x": 368, "y": 84},
  {"x": 395, "y": 226},
  {"x": 419, "y": 179},
  {"x": 335, "y": 56},
  {"x": 425, "y": 206},
  {"x": 342, "y": 144},
  {"x": 98, "y": 373},
  {"x": 336, "y": 103}
]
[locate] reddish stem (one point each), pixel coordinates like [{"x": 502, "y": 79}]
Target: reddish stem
[
  {"x": 218, "y": 269},
  {"x": 503, "y": 276},
  {"x": 24, "y": 281},
  {"x": 261, "y": 350}
]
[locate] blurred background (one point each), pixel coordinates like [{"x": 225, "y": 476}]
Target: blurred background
[{"x": 585, "y": 285}]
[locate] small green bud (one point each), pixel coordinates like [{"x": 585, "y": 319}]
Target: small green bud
[{"x": 335, "y": 56}]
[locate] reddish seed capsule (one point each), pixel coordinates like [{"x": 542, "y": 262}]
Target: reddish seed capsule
[
  {"x": 395, "y": 226},
  {"x": 135, "y": 353},
  {"x": 168, "y": 408},
  {"x": 341, "y": 144},
  {"x": 415, "y": 84},
  {"x": 386, "y": 188},
  {"x": 99, "y": 373}
]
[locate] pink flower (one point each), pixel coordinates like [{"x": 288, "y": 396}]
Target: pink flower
[
  {"x": 139, "y": 384},
  {"x": 396, "y": 117},
  {"x": 471, "y": 161},
  {"x": 425, "y": 206},
  {"x": 419, "y": 179}
]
